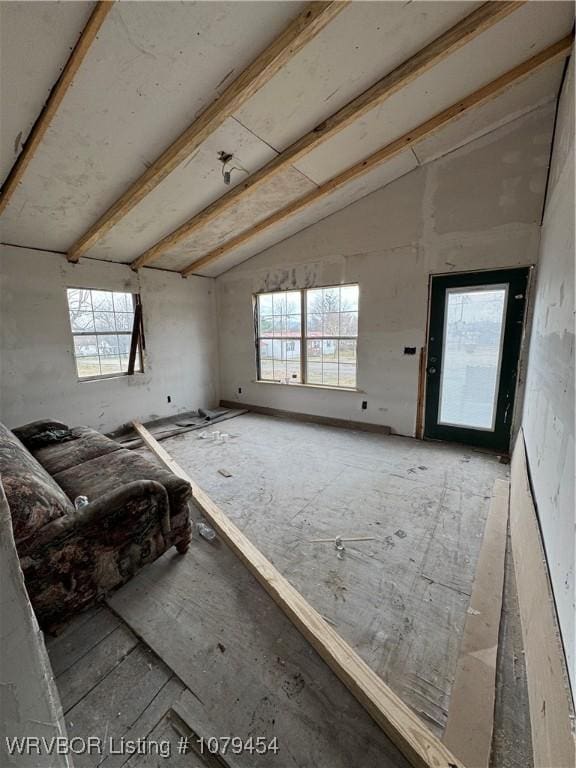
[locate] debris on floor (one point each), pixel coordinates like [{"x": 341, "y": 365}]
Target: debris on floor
[
  {"x": 342, "y": 538},
  {"x": 216, "y": 436},
  {"x": 206, "y": 531},
  {"x": 210, "y": 415},
  {"x": 161, "y": 429},
  {"x": 225, "y": 473}
]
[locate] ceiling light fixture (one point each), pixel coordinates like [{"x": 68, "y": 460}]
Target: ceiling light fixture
[{"x": 225, "y": 158}]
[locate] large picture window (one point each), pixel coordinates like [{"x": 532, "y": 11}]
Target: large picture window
[
  {"x": 102, "y": 323},
  {"x": 308, "y": 336}
]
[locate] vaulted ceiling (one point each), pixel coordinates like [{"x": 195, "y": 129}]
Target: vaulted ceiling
[{"x": 318, "y": 105}]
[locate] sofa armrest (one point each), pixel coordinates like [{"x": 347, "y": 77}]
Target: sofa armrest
[
  {"x": 29, "y": 431},
  {"x": 119, "y": 516}
]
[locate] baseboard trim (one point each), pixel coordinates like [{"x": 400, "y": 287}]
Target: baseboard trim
[{"x": 309, "y": 417}]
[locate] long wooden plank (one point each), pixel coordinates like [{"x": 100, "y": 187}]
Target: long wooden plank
[
  {"x": 457, "y": 36},
  {"x": 297, "y": 34},
  {"x": 558, "y": 50},
  {"x": 57, "y": 94},
  {"x": 548, "y": 688},
  {"x": 470, "y": 725},
  {"x": 395, "y": 718}
]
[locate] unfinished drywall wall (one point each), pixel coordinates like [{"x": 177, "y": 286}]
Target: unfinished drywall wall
[
  {"x": 29, "y": 699},
  {"x": 476, "y": 208},
  {"x": 37, "y": 370},
  {"x": 548, "y": 419}
]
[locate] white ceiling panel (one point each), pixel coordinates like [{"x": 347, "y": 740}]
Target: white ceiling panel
[
  {"x": 36, "y": 39},
  {"x": 527, "y": 95},
  {"x": 362, "y": 44},
  {"x": 522, "y": 98},
  {"x": 189, "y": 189},
  {"x": 273, "y": 195},
  {"x": 154, "y": 67},
  {"x": 340, "y": 198},
  {"x": 521, "y": 35}
]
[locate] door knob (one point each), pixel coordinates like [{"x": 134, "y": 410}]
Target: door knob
[{"x": 431, "y": 370}]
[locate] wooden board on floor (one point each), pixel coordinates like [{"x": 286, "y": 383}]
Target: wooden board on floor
[
  {"x": 400, "y": 600},
  {"x": 512, "y": 739},
  {"x": 248, "y": 670},
  {"x": 107, "y": 711},
  {"x": 83, "y": 633},
  {"x": 552, "y": 736},
  {"x": 471, "y": 715},
  {"x": 118, "y": 691},
  {"x": 147, "y": 725},
  {"x": 395, "y": 718},
  {"x": 95, "y": 666}
]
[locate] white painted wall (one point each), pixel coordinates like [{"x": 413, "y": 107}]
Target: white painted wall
[
  {"x": 548, "y": 418},
  {"x": 476, "y": 208},
  {"x": 37, "y": 369}
]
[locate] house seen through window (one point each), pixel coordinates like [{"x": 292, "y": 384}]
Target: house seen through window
[
  {"x": 102, "y": 323},
  {"x": 308, "y": 336}
]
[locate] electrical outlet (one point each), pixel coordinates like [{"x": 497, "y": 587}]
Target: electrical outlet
[
  {"x": 239, "y": 390},
  {"x": 169, "y": 398},
  {"x": 364, "y": 404}
]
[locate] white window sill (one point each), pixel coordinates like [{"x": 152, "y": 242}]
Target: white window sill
[{"x": 297, "y": 385}]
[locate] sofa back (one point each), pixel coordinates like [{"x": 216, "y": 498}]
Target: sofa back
[{"x": 33, "y": 496}]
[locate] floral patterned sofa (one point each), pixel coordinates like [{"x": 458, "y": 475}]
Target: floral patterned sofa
[{"x": 72, "y": 557}]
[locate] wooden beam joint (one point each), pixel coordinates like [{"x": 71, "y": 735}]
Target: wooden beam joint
[
  {"x": 297, "y": 34},
  {"x": 556, "y": 51},
  {"x": 463, "y": 32},
  {"x": 55, "y": 98}
]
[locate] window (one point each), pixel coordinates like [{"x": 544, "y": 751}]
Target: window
[
  {"x": 309, "y": 336},
  {"x": 102, "y": 324}
]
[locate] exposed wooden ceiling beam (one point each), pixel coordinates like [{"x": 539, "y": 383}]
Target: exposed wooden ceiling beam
[
  {"x": 559, "y": 50},
  {"x": 457, "y": 36},
  {"x": 54, "y": 100},
  {"x": 297, "y": 34}
]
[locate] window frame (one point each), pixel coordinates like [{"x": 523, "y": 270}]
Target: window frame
[
  {"x": 141, "y": 342},
  {"x": 303, "y": 338}
]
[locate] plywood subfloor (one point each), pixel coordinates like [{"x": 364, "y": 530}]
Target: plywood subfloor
[
  {"x": 248, "y": 669},
  {"x": 400, "y": 599}
]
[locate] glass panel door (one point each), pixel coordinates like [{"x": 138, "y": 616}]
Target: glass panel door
[
  {"x": 474, "y": 338},
  {"x": 472, "y": 354}
]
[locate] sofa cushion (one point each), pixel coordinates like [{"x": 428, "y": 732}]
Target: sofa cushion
[
  {"x": 106, "y": 473},
  {"x": 33, "y": 496},
  {"x": 86, "y": 444}
]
